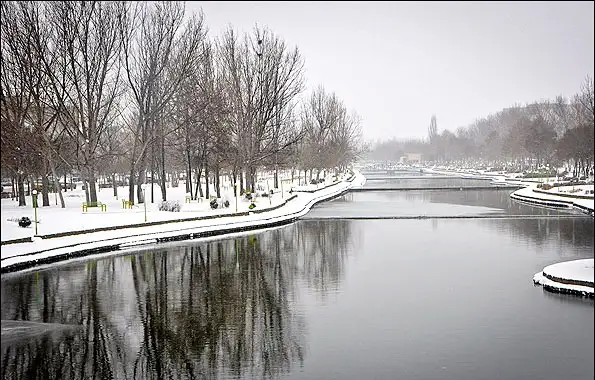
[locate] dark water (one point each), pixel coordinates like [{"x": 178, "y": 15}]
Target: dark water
[{"x": 321, "y": 299}]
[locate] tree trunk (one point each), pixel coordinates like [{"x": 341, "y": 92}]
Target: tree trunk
[
  {"x": 163, "y": 176},
  {"x": 206, "y": 180},
  {"x": 174, "y": 179},
  {"x": 241, "y": 181},
  {"x": 131, "y": 185},
  {"x": 140, "y": 182},
  {"x": 45, "y": 183},
  {"x": 188, "y": 173},
  {"x": 251, "y": 178},
  {"x": 217, "y": 182},
  {"x": 199, "y": 192},
  {"x": 152, "y": 167},
  {"x": 58, "y": 187},
  {"x": 92, "y": 186},
  {"x": 234, "y": 181},
  {"x": 276, "y": 178},
  {"x": 115, "y": 185},
  {"x": 21, "y": 186}
]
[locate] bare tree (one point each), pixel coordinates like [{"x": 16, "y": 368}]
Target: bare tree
[
  {"x": 85, "y": 79},
  {"x": 586, "y": 99},
  {"x": 321, "y": 115},
  {"x": 160, "y": 51},
  {"x": 14, "y": 96},
  {"x": 262, "y": 79}
]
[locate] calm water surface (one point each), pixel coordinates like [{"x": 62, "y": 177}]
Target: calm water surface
[
  {"x": 322, "y": 299},
  {"x": 408, "y": 180}
]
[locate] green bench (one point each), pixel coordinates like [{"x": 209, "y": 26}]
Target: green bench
[{"x": 86, "y": 206}]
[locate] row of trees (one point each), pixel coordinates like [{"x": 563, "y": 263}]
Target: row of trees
[
  {"x": 139, "y": 88},
  {"x": 546, "y": 132}
]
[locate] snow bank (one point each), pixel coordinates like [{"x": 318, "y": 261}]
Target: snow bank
[
  {"x": 42, "y": 251},
  {"x": 573, "y": 277}
]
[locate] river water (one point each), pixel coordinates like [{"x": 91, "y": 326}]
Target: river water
[{"x": 337, "y": 295}]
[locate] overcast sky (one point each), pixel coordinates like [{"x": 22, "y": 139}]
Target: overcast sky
[{"x": 397, "y": 63}]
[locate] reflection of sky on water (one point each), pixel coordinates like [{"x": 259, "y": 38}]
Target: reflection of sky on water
[
  {"x": 428, "y": 203},
  {"x": 423, "y": 181}
]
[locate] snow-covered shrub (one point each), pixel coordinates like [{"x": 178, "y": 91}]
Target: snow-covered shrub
[
  {"x": 24, "y": 222},
  {"x": 173, "y": 206},
  {"x": 252, "y": 205},
  {"x": 213, "y": 203}
]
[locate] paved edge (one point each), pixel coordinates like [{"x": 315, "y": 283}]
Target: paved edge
[{"x": 257, "y": 225}]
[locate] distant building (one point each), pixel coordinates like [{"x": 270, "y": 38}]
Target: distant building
[{"x": 411, "y": 158}]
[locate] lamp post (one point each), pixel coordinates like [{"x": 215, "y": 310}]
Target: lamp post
[
  {"x": 144, "y": 188},
  {"x": 34, "y": 193}
]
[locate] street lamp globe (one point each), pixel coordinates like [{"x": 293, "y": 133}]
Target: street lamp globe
[{"x": 34, "y": 192}]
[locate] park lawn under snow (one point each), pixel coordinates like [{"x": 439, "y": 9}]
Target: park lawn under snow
[
  {"x": 561, "y": 194},
  {"x": 54, "y": 219},
  {"x": 43, "y": 248}
]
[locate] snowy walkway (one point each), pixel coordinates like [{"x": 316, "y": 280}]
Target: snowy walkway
[{"x": 41, "y": 251}]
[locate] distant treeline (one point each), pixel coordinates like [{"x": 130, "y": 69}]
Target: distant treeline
[{"x": 524, "y": 136}]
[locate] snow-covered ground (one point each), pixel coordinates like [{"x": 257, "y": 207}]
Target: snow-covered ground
[
  {"x": 72, "y": 218},
  {"x": 561, "y": 194},
  {"x": 574, "y": 276}
]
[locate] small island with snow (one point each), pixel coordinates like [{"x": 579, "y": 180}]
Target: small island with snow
[{"x": 572, "y": 277}]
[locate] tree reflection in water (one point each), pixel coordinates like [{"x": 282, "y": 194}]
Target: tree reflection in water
[{"x": 222, "y": 309}]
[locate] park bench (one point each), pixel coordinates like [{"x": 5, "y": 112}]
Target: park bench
[
  {"x": 86, "y": 206},
  {"x": 127, "y": 204}
]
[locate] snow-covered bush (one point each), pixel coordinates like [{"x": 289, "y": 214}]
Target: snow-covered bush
[
  {"x": 24, "y": 222},
  {"x": 173, "y": 206}
]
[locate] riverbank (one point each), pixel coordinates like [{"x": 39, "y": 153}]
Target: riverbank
[
  {"x": 579, "y": 197},
  {"x": 558, "y": 197},
  {"x": 97, "y": 237},
  {"x": 570, "y": 277}
]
